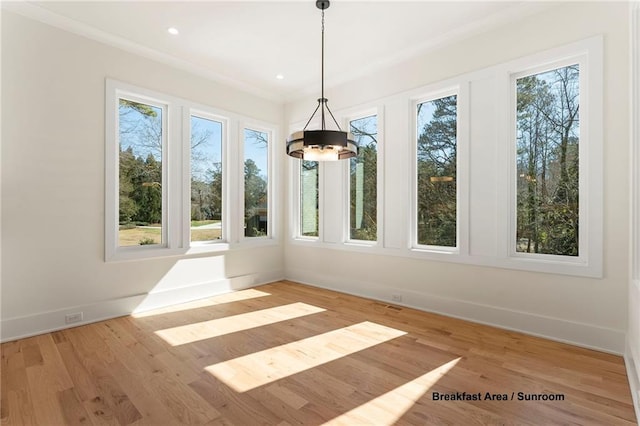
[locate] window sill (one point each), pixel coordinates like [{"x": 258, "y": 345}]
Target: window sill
[
  {"x": 564, "y": 266},
  {"x": 124, "y": 254}
]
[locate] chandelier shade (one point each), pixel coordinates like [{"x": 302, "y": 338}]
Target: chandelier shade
[{"x": 322, "y": 144}]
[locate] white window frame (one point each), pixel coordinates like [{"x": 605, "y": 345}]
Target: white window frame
[
  {"x": 378, "y": 112},
  {"x": 213, "y": 115},
  {"x": 295, "y": 199},
  {"x": 271, "y": 189},
  {"x": 113, "y": 251},
  {"x": 297, "y": 204},
  {"x": 588, "y": 55},
  {"x": 176, "y": 180},
  {"x": 460, "y": 89}
]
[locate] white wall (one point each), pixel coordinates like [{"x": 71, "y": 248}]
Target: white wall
[
  {"x": 586, "y": 311},
  {"x": 632, "y": 354},
  {"x": 53, "y": 167}
]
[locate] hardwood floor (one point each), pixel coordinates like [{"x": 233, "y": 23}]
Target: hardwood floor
[{"x": 286, "y": 354}]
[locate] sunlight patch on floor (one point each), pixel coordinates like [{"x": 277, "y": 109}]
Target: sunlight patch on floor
[
  {"x": 218, "y": 327},
  {"x": 235, "y": 296},
  {"x": 251, "y": 371},
  {"x": 388, "y": 408}
]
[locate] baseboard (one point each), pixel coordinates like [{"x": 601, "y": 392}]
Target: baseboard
[
  {"x": 44, "y": 322},
  {"x": 575, "y": 333},
  {"x": 632, "y": 362}
]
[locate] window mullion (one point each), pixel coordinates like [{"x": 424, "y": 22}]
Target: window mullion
[{"x": 174, "y": 177}]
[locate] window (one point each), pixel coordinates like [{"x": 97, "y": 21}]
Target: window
[
  {"x": 436, "y": 169},
  {"x": 309, "y": 199},
  {"x": 206, "y": 179},
  {"x": 174, "y": 177},
  {"x": 140, "y": 173},
  {"x": 363, "y": 181},
  {"x": 547, "y": 161},
  {"x": 500, "y": 167},
  {"x": 256, "y": 183},
  {"x": 555, "y": 179}
]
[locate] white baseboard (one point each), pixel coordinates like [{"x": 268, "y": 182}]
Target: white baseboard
[
  {"x": 632, "y": 362},
  {"x": 575, "y": 333},
  {"x": 44, "y": 322}
]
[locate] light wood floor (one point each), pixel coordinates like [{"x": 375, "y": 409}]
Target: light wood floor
[{"x": 287, "y": 354}]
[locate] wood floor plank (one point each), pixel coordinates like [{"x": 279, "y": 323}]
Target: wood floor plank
[
  {"x": 86, "y": 387},
  {"x": 73, "y": 410},
  {"x": 16, "y": 404},
  {"x": 240, "y": 409},
  {"x": 291, "y": 354}
]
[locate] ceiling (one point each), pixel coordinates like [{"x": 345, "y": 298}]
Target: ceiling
[{"x": 248, "y": 43}]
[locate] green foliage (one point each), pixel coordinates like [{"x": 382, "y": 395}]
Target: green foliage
[
  {"x": 140, "y": 188},
  {"x": 206, "y": 195},
  {"x": 309, "y": 204},
  {"x": 548, "y": 162},
  {"x": 255, "y": 200},
  {"x": 147, "y": 241},
  {"x": 142, "y": 109},
  {"x": 140, "y": 176},
  {"x": 363, "y": 185},
  {"x": 437, "y": 154}
]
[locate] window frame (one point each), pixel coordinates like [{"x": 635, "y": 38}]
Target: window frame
[
  {"x": 113, "y": 251},
  {"x": 176, "y": 159},
  {"x": 271, "y": 189},
  {"x": 461, "y": 90},
  {"x": 295, "y": 194},
  {"x": 378, "y": 112},
  {"x": 212, "y": 115},
  {"x": 587, "y": 54}
]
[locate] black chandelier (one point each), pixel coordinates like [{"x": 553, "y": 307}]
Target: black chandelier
[{"x": 322, "y": 144}]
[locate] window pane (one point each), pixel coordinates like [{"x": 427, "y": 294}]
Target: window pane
[
  {"x": 547, "y": 133},
  {"x": 436, "y": 168},
  {"x": 256, "y": 183},
  {"x": 139, "y": 173},
  {"x": 308, "y": 198},
  {"x": 363, "y": 180},
  {"x": 206, "y": 179}
]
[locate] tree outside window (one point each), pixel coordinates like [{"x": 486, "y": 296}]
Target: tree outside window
[
  {"x": 436, "y": 172},
  {"x": 547, "y": 160},
  {"x": 139, "y": 173},
  {"x": 206, "y": 179},
  {"x": 256, "y": 183},
  {"x": 309, "y": 198},
  {"x": 363, "y": 182}
]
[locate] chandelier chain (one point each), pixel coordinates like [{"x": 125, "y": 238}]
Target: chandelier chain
[{"x": 322, "y": 74}]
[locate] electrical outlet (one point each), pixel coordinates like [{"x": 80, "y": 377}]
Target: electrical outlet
[
  {"x": 71, "y": 318},
  {"x": 396, "y": 297}
]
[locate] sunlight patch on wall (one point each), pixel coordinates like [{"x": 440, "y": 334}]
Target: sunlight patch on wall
[
  {"x": 388, "y": 408},
  {"x": 218, "y": 327},
  {"x": 192, "y": 271},
  {"x": 235, "y": 296},
  {"x": 251, "y": 371}
]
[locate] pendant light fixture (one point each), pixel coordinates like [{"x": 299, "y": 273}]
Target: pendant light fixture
[{"x": 322, "y": 144}]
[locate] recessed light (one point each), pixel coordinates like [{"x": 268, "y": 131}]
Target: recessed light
[
  {"x": 280, "y": 77},
  {"x": 173, "y": 31}
]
